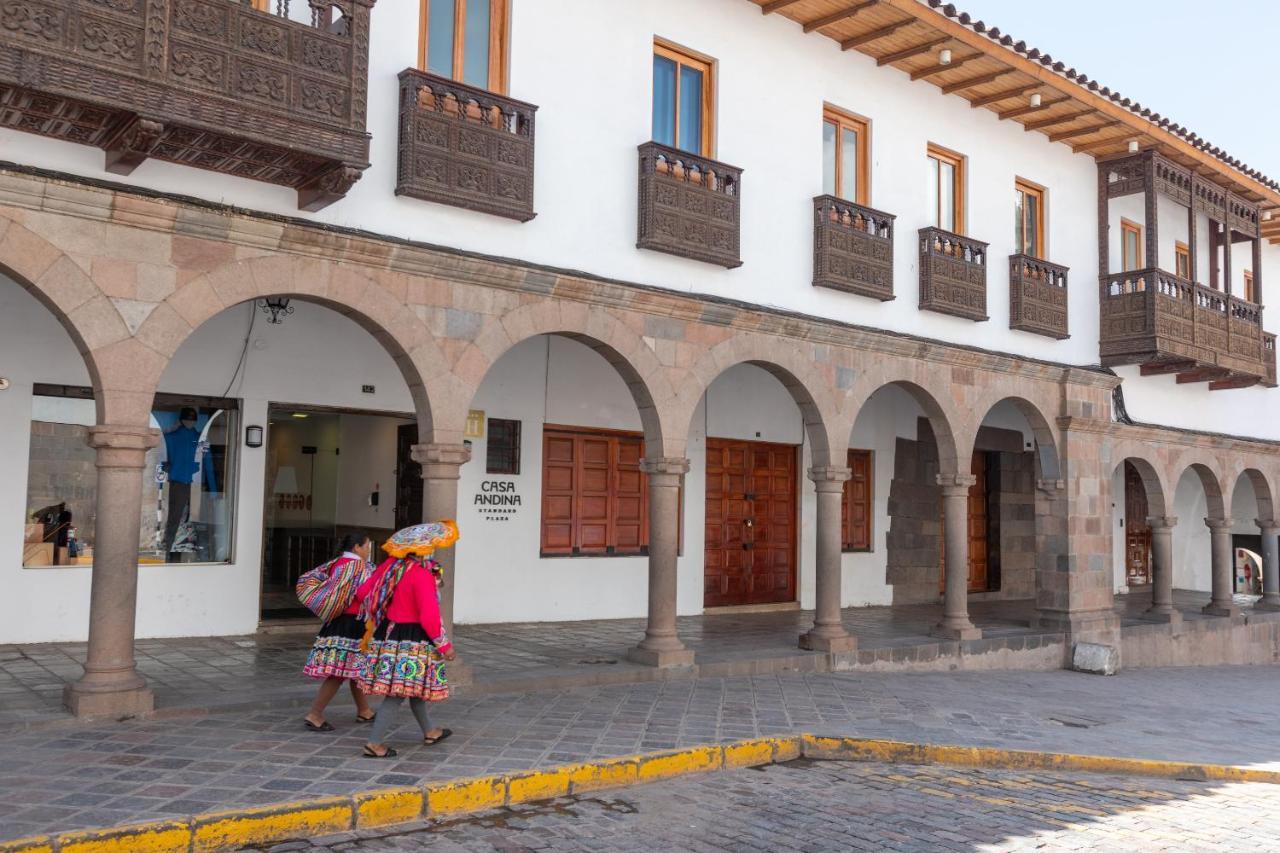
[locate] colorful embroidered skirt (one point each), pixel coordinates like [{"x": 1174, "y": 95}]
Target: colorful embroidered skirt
[
  {"x": 336, "y": 651},
  {"x": 402, "y": 661}
]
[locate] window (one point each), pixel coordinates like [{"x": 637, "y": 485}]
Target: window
[
  {"x": 1130, "y": 245},
  {"x": 1250, "y": 295},
  {"x": 1182, "y": 260},
  {"x": 594, "y": 496},
  {"x": 465, "y": 40},
  {"x": 855, "y": 527},
  {"x": 845, "y": 160},
  {"x": 946, "y": 189},
  {"x": 682, "y": 100},
  {"x": 502, "y": 452},
  {"x": 1029, "y": 209}
]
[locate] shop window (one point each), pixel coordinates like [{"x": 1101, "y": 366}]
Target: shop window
[
  {"x": 1182, "y": 260},
  {"x": 683, "y": 100},
  {"x": 188, "y": 481},
  {"x": 594, "y": 496},
  {"x": 846, "y": 141},
  {"x": 946, "y": 189},
  {"x": 1130, "y": 245},
  {"x": 1029, "y": 218},
  {"x": 1250, "y": 293},
  {"x": 465, "y": 40},
  {"x": 502, "y": 451},
  {"x": 855, "y": 532}
]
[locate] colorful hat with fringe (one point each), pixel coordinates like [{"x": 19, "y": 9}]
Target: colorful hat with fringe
[{"x": 422, "y": 540}]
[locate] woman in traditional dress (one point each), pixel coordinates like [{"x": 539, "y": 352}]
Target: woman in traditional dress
[
  {"x": 408, "y": 650},
  {"x": 335, "y": 655}
]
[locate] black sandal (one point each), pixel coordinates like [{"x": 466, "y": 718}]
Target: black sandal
[
  {"x": 390, "y": 753},
  {"x": 432, "y": 741},
  {"x": 326, "y": 726},
  {"x": 368, "y": 719}
]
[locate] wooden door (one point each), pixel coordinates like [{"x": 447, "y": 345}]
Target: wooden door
[
  {"x": 1137, "y": 533},
  {"x": 750, "y": 536},
  {"x": 408, "y": 478},
  {"x": 979, "y": 528}
]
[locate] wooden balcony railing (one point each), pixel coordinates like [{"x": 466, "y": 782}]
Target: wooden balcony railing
[
  {"x": 464, "y": 146},
  {"x": 852, "y": 248},
  {"x": 953, "y": 274},
  {"x": 1037, "y": 296},
  {"x": 1150, "y": 315},
  {"x": 214, "y": 84},
  {"x": 1269, "y": 359},
  {"x": 690, "y": 206}
]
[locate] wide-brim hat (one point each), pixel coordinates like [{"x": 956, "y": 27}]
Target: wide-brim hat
[{"x": 422, "y": 540}]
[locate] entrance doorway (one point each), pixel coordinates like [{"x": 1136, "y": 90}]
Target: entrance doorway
[
  {"x": 329, "y": 472},
  {"x": 750, "y": 555},
  {"x": 1137, "y": 533},
  {"x": 983, "y": 545}
]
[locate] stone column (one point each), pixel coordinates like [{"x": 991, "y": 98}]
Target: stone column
[
  {"x": 111, "y": 685},
  {"x": 661, "y": 646},
  {"x": 441, "y": 470},
  {"x": 1162, "y": 609},
  {"x": 955, "y": 624},
  {"x": 828, "y": 633},
  {"x": 1270, "y": 565},
  {"x": 1221, "y": 603}
]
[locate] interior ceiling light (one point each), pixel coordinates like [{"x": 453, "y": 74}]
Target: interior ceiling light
[{"x": 300, "y": 415}]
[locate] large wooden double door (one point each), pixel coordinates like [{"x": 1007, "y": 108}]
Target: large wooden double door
[
  {"x": 979, "y": 528},
  {"x": 750, "y": 555},
  {"x": 1137, "y": 533}
]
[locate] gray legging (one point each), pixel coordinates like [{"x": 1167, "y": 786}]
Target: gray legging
[{"x": 386, "y": 717}]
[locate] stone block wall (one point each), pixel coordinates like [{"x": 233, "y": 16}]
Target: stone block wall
[{"x": 914, "y": 540}]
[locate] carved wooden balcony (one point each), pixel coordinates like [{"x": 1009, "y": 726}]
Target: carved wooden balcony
[
  {"x": 953, "y": 274},
  {"x": 690, "y": 206},
  {"x": 1170, "y": 325},
  {"x": 214, "y": 84},
  {"x": 1269, "y": 359},
  {"x": 1038, "y": 297},
  {"x": 852, "y": 248},
  {"x": 464, "y": 146}
]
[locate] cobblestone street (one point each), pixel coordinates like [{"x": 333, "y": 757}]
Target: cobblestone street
[{"x": 836, "y": 806}]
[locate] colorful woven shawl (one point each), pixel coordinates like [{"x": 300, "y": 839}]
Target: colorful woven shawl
[{"x": 375, "y": 605}]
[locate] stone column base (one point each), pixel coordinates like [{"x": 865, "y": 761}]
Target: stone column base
[
  {"x": 1171, "y": 617},
  {"x": 664, "y": 659},
  {"x": 847, "y": 644},
  {"x": 1095, "y": 626},
  {"x": 1268, "y": 605},
  {"x": 131, "y": 702},
  {"x": 948, "y": 632},
  {"x": 1226, "y": 611}
]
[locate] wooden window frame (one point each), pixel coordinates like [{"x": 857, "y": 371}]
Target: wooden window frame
[
  {"x": 843, "y": 120},
  {"x": 682, "y": 56},
  {"x": 1248, "y": 292},
  {"x": 262, "y": 5},
  {"x": 1128, "y": 226},
  {"x": 1027, "y": 188},
  {"x": 1182, "y": 251},
  {"x": 847, "y": 545},
  {"x": 514, "y": 469},
  {"x": 957, "y": 161},
  {"x": 499, "y": 40}
]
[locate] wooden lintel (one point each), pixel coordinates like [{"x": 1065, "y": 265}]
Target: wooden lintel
[
  {"x": 907, "y": 53},
  {"x": 1050, "y": 122},
  {"x": 1081, "y": 131},
  {"x": 956, "y": 62},
  {"x": 1162, "y": 368},
  {"x": 1203, "y": 374},
  {"x": 1240, "y": 380},
  {"x": 836, "y": 17},
  {"x": 997, "y": 97},
  {"x": 872, "y": 35},
  {"x": 1028, "y": 109},
  {"x": 975, "y": 81},
  {"x": 776, "y": 5},
  {"x": 1099, "y": 144}
]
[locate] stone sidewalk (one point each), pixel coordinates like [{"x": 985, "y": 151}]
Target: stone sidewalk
[{"x": 57, "y": 780}]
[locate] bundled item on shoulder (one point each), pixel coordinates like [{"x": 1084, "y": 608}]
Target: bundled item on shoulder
[{"x": 327, "y": 592}]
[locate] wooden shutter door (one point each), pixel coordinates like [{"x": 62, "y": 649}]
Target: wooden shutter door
[
  {"x": 856, "y": 527},
  {"x": 629, "y": 504},
  {"x": 559, "y": 474},
  {"x": 594, "y": 462}
]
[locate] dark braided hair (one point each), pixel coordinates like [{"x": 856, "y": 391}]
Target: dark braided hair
[{"x": 352, "y": 541}]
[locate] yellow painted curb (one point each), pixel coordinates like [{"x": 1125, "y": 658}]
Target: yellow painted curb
[
  {"x": 538, "y": 785},
  {"x": 616, "y": 773},
  {"x": 446, "y": 799},
  {"x": 170, "y": 836},
  {"x": 666, "y": 765},
  {"x": 383, "y": 808},
  {"x": 39, "y": 844},
  {"x": 229, "y": 830}
]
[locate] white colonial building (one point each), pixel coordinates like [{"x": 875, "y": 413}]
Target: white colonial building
[{"x": 677, "y": 305}]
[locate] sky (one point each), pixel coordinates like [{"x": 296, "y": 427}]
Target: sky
[{"x": 1204, "y": 65}]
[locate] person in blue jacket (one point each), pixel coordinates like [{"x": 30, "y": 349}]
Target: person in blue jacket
[{"x": 181, "y": 444}]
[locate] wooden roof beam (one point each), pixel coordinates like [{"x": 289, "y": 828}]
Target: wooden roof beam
[
  {"x": 997, "y": 97},
  {"x": 1099, "y": 144},
  {"x": 776, "y": 6},
  {"x": 975, "y": 81},
  {"x": 907, "y": 53},
  {"x": 1062, "y": 119},
  {"x": 1081, "y": 131},
  {"x": 872, "y": 35},
  {"x": 1028, "y": 109},
  {"x": 955, "y": 62},
  {"x": 836, "y": 17}
]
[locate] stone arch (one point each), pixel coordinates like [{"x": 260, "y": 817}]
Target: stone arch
[
  {"x": 91, "y": 320},
  {"x": 607, "y": 335},
  {"x": 802, "y": 377},
  {"x": 1046, "y": 440},
  {"x": 366, "y": 300},
  {"x": 1159, "y": 494},
  {"x": 1261, "y": 491},
  {"x": 1209, "y": 473},
  {"x": 928, "y": 397}
]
